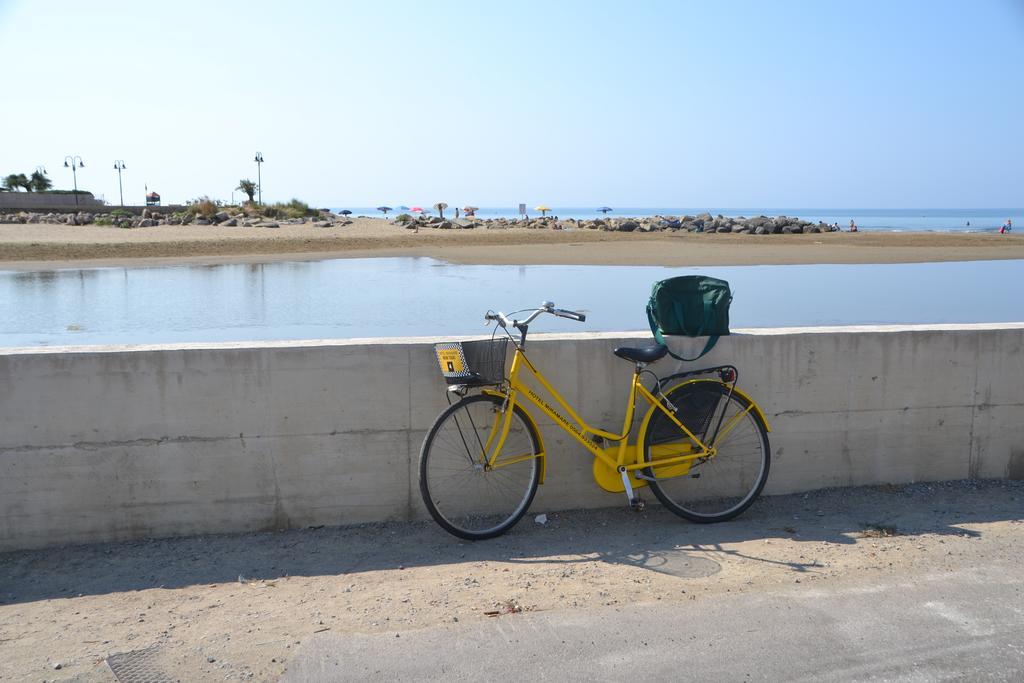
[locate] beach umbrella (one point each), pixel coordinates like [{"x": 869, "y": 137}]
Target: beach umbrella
[
  {"x": 605, "y": 209},
  {"x": 344, "y": 212},
  {"x": 403, "y": 208},
  {"x": 384, "y": 209},
  {"x": 440, "y": 206},
  {"x": 416, "y": 209},
  {"x": 470, "y": 210},
  {"x": 543, "y": 209}
]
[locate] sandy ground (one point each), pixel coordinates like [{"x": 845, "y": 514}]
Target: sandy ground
[
  {"x": 33, "y": 247},
  {"x": 236, "y": 607}
]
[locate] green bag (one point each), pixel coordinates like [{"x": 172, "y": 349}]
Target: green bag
[{"x": 689, "y": 305}]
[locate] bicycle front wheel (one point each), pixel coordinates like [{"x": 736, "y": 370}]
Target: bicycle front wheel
[
  {"x": 463, "y": 493},
  {"x": 720, "y": 486}
]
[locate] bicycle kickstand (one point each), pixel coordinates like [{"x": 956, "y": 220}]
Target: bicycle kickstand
[{"x": 636, "y": 503}]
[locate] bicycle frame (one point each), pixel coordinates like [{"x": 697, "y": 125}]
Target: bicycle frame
[{"x": 579, "y": 429}]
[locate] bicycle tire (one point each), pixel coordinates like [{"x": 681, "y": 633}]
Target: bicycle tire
[
  {"x": 464, "y": 498},
  {"x": 723, "y": 486}
]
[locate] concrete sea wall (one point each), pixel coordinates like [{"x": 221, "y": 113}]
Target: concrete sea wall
[
  {"x": 44, "y": 201},
  {"x": 104, "y": 443}
]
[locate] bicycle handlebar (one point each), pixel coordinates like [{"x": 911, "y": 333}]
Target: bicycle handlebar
[
  {"x": 546, "y": 307},
  {"x": 571, "y": 315}
]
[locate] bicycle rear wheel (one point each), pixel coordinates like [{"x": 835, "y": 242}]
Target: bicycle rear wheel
[
  {"x": 462, "y": 493},
  {"x": 718, "y": 487}
]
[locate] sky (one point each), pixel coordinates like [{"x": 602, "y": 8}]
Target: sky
[{"x": 868, "y": 104}]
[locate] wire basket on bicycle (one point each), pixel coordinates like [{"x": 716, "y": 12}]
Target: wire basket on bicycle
[{"x": 473, "y": 363}]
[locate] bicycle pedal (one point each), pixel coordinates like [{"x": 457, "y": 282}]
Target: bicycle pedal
[{"x": 637, "y": 504}]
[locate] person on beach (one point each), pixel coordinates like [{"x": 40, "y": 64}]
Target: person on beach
[
  {"x": 1007, "y": 227},
  {"x": 853, "y": 226}
]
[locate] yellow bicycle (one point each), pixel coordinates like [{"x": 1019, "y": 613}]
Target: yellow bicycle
[{"x": 702, "y": 446}]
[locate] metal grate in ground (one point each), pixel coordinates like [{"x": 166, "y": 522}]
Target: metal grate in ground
[{"x": 138, "y": 666}]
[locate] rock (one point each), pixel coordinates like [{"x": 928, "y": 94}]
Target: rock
[
  {"x": 541, "y": 519},
  {"x": 724, "y": 227},
  {"x": 760, "y": 230},
  {"x": 221, "y": 216},
  {"x": 145, "y": 213},
  {"x": 202, "y": 221},
  {"x": 231, "y": 222},
  {"x": 443, "y": 225},
  {"x": 186, "y": 219},
  {"x": 323, "y": 224},
  {"x": 267, "y": 224},
  {"x": 146, "y": 223}
]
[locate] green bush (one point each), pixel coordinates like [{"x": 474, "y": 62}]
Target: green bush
[
  {"x": 102, "y": 221},
  {"x": 121, "y": 213},
  {"x": 295, "y": 209},
  {"x": 292, "y": 209},
  {"x": 403, "y": 218}
]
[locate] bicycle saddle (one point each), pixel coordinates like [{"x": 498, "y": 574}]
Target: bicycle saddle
[{"x": 646, "y": 354}]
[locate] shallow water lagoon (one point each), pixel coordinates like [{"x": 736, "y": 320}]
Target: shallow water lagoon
[{"x": 421, "y": 296}]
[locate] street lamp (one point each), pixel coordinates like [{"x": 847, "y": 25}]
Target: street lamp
[
  {"x": 119, "y": 165},
  {"x": 259, "y": 177},
  {"x": 75, "y": 164}
]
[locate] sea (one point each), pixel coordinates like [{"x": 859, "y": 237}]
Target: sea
[
  {"x": 886, "y": 220},
  {"x": 419, "y": 296}
]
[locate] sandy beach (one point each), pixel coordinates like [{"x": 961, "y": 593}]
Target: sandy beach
[{"x": 39, "y": 246}]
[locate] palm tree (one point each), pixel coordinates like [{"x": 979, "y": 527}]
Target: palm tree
[
  {"x": 39, "y": 182},
  {"x": 17, "y": 181},
  {"x": 248, "y": 187}
]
